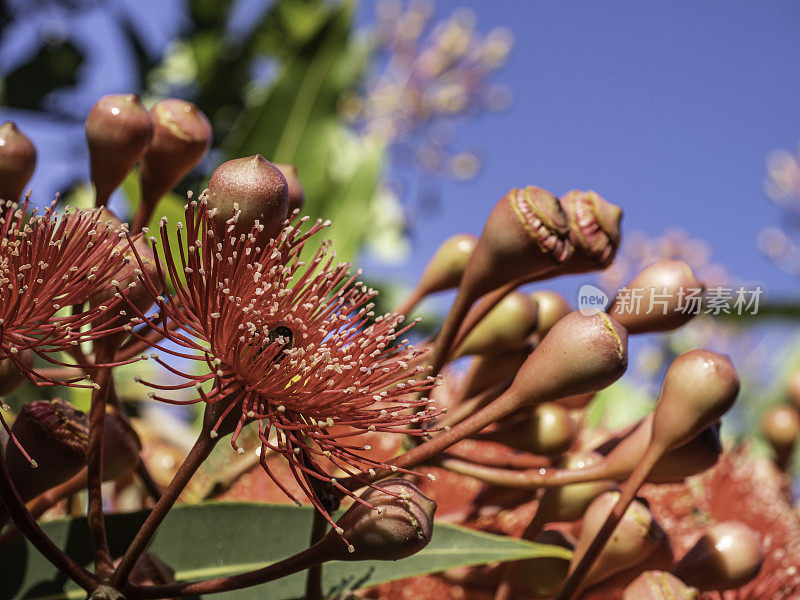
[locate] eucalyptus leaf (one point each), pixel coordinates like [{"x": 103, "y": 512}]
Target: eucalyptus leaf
[{"x": 217, "y": 539}]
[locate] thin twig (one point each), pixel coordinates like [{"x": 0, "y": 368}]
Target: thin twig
[
  {"x": 319, "y": 528},
  {"x": 95, "y": 517}
]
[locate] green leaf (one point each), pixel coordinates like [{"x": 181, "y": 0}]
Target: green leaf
[{"x": 216, "y": 539}]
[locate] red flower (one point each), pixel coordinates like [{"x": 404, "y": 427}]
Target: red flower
[{"x": 292, "y": 345}]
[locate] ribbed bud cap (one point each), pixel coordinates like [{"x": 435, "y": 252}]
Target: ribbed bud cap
[
  {"x": 118, "y": 130},
  {"x": 727, "y": 556},
  {"x": 249, "y": 191},
  {"x": 17, "y": 161},
  {"x": 526, "y": 235},
  {"x": 594, "y": 230},
  {"x": 56, "y": 436},
  {"x": 401, "y": 526}
]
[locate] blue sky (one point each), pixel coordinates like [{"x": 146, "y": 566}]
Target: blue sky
[{"x": 668, "y": 109}]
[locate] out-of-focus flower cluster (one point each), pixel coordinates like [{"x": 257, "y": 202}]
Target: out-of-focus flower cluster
[
  {"x": 782, "y": 185},
  {"x": 432, "y": 74}
]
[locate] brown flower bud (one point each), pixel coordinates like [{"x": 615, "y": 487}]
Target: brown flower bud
[
  {"x": 297, "y": 195},
  {"x": 10, "y": 375},
  {"x": 17, "y": 161},
  {"x": 594, "y": 231},
  {"x": 118, "y": 129},
  {"x": 693, "y": 457},
  {"x": 580, "y": 354},
  {"x": 699, "y": 387},
  {"x": 781, "y": 426},
  {"x": 726, "y": 556},
  {"x": 635, "y": 537},
  {"x": 487, "y": 371},
  {"x": 400, "y": 525},
  {"x": 544, "y": 429},
  {"x": 569, "y": 502},
  {"x": 56, "y": 436},
  {"x": 552, "y": 306},
  {"x": 256, "y": 188},
  {"x": 181, "y": 136},
  {"x": 121, "y": 446},
  {"x": 657, "y": 298},
  {"x": 525, "y": 235},
  {"x": 578, "y": 401},
  {"x": 542, "y": 577},
  {"x": 659, "y": 585},
  {"x": 507, "y": 327},
  {"x": 793, "y": 389}
]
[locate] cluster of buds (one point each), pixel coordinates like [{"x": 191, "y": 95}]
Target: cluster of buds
[{"x": 269, "y": 334}]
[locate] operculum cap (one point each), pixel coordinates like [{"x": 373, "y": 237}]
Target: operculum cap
[
  {"x": 569, "y": 502},
  {"x": 17, "y": 161},
  {"x": 552, "y": 306},
  {"x": 526, "y": 235},
  {"x": 118, "y": 130},
  {"x": 249, "y": 190},
  {"x": 56, "y": 435},
  {"x": 662, "y": 297},
  {"x": 594, "y": 230},
  {"x": 401, "y": 526},
  {"x": 699, "y": 387}
]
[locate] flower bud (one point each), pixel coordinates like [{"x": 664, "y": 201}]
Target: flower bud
[
  {"x": 181, "y": 136},
  {"x": 781, "y": 427},
  {"x": 635, "y": 537},
  {"x": 659, "y": 585},
  {"x": 793, "y": 389},
  {"x": 542, "y": 577},
  {"x": 658, "y": 298},
  {"x": 580, "y": 354},
  {"x": 56, "y": 436},
  {"x": 545, "y": 429},
  {"x": 401, "y": 524},
  {"x": 727, "y": 556},
  {"x": 526, "y": 235},
  {"x": 699, "y": 387},
  {"x": 445, "y": 269},
  {"x": 297, "y": 194},
  {"x": 121, "y": 446},
  {"x": 693, "y": 457},
  {"x": 491, "y": 369},
  {"x": 10, "y": 375},
  {"x": 593, "y": 230},
  {"x": 569, "y": 502},
  {"x": 506, "y": 327},
  {"x": 578, "y": 401},
  {"x": 17, "y": 161},
  {"x": 118, "y": 129},
  {"x": 254, "y": 186},
  {"x": 552, "y": 306}
]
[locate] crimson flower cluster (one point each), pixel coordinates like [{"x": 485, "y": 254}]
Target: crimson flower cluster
[{"x": 289, "y": 343}]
